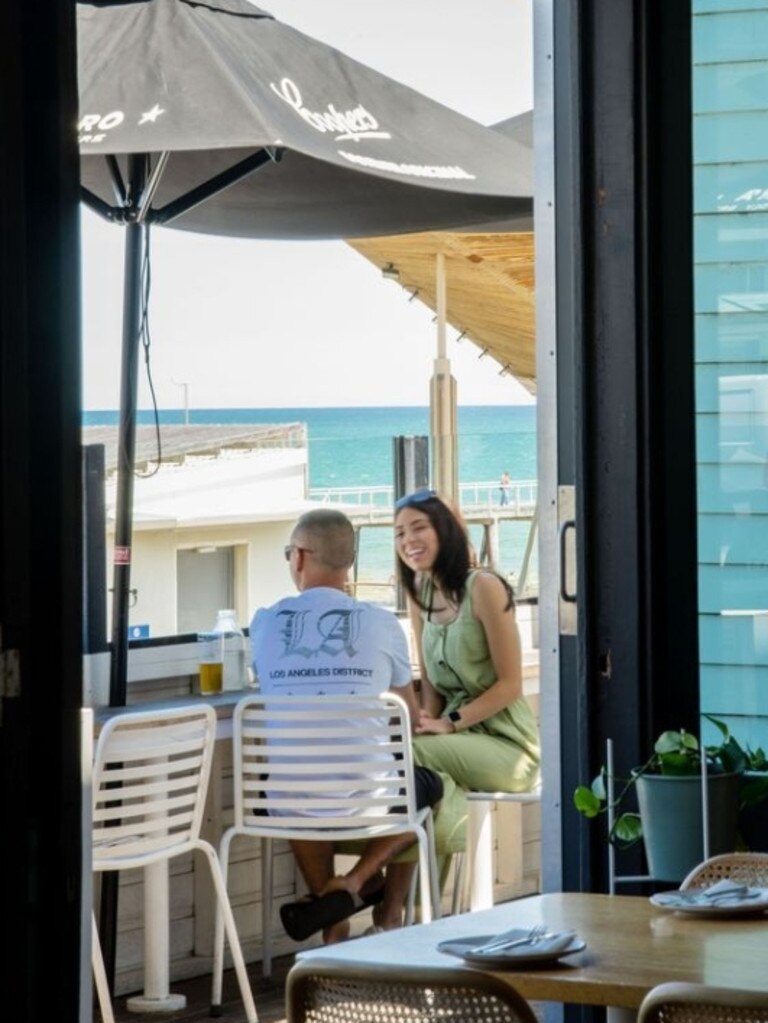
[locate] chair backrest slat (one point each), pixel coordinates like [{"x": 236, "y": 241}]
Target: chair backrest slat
[
  {"x": 339, "y": 756},
  {"x": 151, "y": 772}
]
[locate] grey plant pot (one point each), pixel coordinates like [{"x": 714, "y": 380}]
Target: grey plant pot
[{"x": 671, "y": 813}]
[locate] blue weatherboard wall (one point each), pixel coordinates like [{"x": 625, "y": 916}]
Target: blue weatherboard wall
[{"x": 730, "y": 140}]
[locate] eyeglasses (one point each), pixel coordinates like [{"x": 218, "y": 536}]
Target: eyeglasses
[
  {"x": 294, "y": 547},
  {"x": 417, "y": 497}
]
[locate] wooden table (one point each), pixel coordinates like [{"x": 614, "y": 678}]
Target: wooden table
[{"x": 631, "y": 947}]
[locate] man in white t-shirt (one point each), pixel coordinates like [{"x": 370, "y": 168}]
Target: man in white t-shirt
[{"x": 324, "y": 641}]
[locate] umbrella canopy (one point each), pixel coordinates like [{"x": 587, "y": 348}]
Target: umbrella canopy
[
  {"x": 212, "y": 116},
  {"x": 268, "y": 133}
]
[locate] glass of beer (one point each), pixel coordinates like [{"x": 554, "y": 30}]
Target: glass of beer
[{"x": 211, "y": 662}]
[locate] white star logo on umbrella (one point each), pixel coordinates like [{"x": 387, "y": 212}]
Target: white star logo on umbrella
[{"x": 151, "y": 115}]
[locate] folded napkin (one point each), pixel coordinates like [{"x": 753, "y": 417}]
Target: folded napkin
[
  {"x": 724, "y": 887},
  {"x": 725, "y": 892},
  {"x": 550, "y": 947}
]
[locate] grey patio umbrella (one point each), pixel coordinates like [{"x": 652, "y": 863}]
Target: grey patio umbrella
[{"x": 212, "y": 116}]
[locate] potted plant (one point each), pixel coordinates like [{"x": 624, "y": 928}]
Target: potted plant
[
  {"x": 668, "y": 787},
  {"x": 753, "y": 818}
]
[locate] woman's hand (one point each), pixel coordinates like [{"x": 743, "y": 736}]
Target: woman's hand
[{"x": 427, "y": 725}]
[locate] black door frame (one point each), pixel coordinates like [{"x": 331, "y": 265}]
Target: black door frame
[
  {"x": 615, "y": 366},
  {"x": 43, "y": 971}
]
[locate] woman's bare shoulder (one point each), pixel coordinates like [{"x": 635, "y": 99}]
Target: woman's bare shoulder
[{"x": 489, "y": 593}]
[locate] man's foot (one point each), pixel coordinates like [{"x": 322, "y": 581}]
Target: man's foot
[
  {"x": 313, "y": 913},
  {"x": 370, "y": 892}
]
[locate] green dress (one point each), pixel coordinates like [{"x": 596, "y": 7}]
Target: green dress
[{"x": 500, "y": 754}]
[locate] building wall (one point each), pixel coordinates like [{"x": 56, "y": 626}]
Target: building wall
[
  {"x": 730, "y": 135},
  {"x": 261, "y": 574}
]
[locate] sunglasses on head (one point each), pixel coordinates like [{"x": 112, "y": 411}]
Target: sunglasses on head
[{"x": 417, "y": 497}]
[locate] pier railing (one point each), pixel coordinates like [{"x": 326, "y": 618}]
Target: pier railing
[{"x": 517, "y": 501}]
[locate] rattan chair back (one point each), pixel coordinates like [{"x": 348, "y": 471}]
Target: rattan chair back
[
  {"x": 746, "y": 868},
  {"x": 699, "y": 1003},
  {"x": 325, "y": 991}
]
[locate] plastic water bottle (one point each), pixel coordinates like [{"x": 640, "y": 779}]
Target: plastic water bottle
[{"x": 234, "y": 651}]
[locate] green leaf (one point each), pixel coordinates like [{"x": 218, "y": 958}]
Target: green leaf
[
  {"x": 678, "y": 764},
  {"x": 668, "y": 742},
  {"x": 732, "y": 756},
  {"x": 754, "y": 791},
  {"x": 721, "y": 725},
  {"x": 627, "y": 829},
  {"x": 676, "y": 742},
  {"x": 586, "y": 801},
  {"x": 688, "y": 741},
  {"x": 598, "y": 787},
  {"x": 757, "y": 761}
]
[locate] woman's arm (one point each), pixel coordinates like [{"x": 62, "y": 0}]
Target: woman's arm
[
  {"x": 489, "y": 600},
  {"x": 431, "y": 701},
  {"x": 408, "y": 694}
]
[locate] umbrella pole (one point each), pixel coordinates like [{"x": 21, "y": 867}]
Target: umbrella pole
[
  {"x": 126, "y": 443},
  {"x": 442, "y": 400},
  {"x": 126, "y": 450}
]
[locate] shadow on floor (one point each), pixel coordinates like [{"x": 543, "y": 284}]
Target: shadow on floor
[{"x": 269, "y": 996}]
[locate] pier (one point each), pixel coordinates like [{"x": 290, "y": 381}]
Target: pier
[
  {"x": 478, "y": 501},
  {"x": 480, "y": 504}
]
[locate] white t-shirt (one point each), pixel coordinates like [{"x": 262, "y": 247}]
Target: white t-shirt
[{"x": 324, "y": 642}]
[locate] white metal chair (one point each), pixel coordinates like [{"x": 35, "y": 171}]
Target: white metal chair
[
  {"x": 473, "y": 883},
  {"x": 150, "y": 777},
  {"x": 700, "y": 1003},
  {"x": 750, "y": 868},
  {"x": 353, "y": 753},
  {"x": 326, "y": 991}
]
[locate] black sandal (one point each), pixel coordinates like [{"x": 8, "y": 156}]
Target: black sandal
[{"x": 314, "y": 913}]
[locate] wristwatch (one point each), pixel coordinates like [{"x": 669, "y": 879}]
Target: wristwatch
[{"x": 454, "y": 717}]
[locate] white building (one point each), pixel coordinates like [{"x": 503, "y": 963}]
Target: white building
[{"x": 210, "y": 523}]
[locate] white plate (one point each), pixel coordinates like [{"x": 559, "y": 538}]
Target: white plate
[
  {"x": 512, "y": 958},
  {"x": 692, "y": 902}
]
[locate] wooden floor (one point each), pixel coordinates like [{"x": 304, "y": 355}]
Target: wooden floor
[{"x": 268, "y": 995}]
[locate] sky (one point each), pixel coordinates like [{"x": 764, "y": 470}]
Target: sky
[{"x": 259, "y": 324}]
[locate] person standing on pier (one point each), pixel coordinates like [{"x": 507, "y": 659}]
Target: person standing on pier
[{"x": 504, "y": 485}]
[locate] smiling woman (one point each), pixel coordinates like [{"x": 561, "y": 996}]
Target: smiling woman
[{"x": 475, "y": 728}]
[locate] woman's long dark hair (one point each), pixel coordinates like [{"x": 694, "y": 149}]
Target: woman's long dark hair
[{"x": 454, "y": 555}]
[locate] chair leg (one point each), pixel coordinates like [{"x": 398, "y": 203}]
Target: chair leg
[
  {"x": 434, "y": 876},
  {"x": 267, "y": 881},
  {"x": 425, "y": 880},
  {"x": 457, "y": 902},
  {"x": 480, "y": 853},
  {"x": 225, "y": 910},
  {"x": 410, "y": 902},
  {"x": 100, "y": 975},
  {"x": 218, "y": 934}
]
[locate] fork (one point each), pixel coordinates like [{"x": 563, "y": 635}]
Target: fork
[{"x": 506, "y": 940}]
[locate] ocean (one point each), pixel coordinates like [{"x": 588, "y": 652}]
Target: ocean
[{"x": 353, "y": 447}]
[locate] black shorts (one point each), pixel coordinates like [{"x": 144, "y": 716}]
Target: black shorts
[{"x": 429, "y": 787}]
